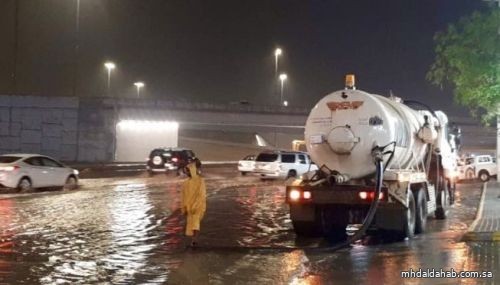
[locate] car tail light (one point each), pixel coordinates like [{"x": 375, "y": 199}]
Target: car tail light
[
  {"x": 9, "y": 168},
  {"x": 175, "y": 159}
]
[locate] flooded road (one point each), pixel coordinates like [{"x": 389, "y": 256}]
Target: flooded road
[{"x": 129, "y": 231}]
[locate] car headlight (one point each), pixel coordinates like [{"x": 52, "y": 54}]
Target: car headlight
[{"x": 76, "y": 172}]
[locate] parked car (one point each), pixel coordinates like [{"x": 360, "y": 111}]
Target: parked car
[
  {"x": 247, "y": 164},
  {"x": 27, "y": 171},
  {"x": 479, "y": 166},
  {"x": 171, "y": 159},
  {"x": 283, "y": 164}
]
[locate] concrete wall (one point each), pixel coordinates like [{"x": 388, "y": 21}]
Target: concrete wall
[{"x": 39, "y": 125}]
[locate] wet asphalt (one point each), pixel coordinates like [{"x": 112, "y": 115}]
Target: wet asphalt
[{"x": 128, "y": 230}]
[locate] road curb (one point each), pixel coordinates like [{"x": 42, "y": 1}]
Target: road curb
[
  {"x": 472, "y": 235},
  {"x": 482, "y": 236}
]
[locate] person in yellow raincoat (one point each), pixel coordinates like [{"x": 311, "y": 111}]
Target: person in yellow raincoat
[{"x": 194, "y": 204}]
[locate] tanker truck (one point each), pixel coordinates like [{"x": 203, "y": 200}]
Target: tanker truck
[{"x": 372, "y": 149}]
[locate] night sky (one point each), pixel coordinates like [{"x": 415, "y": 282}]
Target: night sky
[{"x": 222, "y": 51}]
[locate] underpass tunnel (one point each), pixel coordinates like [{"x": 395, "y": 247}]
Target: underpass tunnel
[{"x": 137, "y": 133}]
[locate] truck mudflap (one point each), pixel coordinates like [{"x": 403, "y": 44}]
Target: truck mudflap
[
  {"x": 303, "y": 212},
  {"x": 389, "y": 217}
]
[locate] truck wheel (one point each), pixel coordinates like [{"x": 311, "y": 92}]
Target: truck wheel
[
  {"x": 442, "y": 201},
  {"x": 421, "y": 211},
  {"x": 484, "y": 175},
  {"x": 452, "y": 186},
  {"x": 409, "y": 220},
  {"x": 469, "y": 174}
]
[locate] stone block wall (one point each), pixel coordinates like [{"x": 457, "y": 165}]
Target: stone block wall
[{"x": 32, "y": 124}]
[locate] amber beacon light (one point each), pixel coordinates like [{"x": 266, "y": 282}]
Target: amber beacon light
[{"x": 350, "y": 81}]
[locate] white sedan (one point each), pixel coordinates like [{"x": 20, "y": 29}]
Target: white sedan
[
  {"x": 247, "y": 164},
  {"x": 28, "y": 171}
]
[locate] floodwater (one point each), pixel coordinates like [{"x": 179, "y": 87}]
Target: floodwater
[{"x": 131, "y": 232}]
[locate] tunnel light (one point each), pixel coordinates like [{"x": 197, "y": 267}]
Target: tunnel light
[{"x": 148, "y": 125}]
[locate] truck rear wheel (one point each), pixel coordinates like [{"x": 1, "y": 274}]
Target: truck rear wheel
[
  {"x": 421, "y": 211},
  {"x": 442, "y": 200},
  {"x": 469, "y": 174},
  {"x": 409, "y": 220}
]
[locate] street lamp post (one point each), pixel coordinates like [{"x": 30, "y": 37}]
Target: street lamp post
[
  {"x": 282, "y": 78},
  {"x": 139, "y": 85},
  {"x": 109, "y": 66},
  {"x": 277, "y": 53}
]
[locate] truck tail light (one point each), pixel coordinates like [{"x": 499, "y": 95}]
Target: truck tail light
[
  {"x": 364, "y": 195},
  {"x": 306, "y": 195},
  {"x": 9, "y": 168},
  {"x": 294, "y": 195},
  {"x": 297, "y": 194}
]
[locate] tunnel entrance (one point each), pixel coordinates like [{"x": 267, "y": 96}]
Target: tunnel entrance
[{"x": 135, "y": 139}]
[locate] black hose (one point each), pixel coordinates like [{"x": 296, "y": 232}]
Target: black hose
[{"x": 368, "y": 218}]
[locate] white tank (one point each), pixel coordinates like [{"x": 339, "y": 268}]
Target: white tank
[{"x": 344, "y": 126}]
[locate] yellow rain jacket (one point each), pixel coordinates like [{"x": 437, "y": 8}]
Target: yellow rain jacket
[{"x": 194, "y": 200}]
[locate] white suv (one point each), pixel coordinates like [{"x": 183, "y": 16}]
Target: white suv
[
  {"x": 480, "y": 166},
  {"x": 283, "y": 164}
]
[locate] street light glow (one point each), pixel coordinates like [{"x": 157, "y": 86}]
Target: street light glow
[
  {"x": 109, "y": 65},
  {"x": 282, "y": 78},
  {"x": 139, "y": 85},
  {"x": 277, "y": 53}
]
